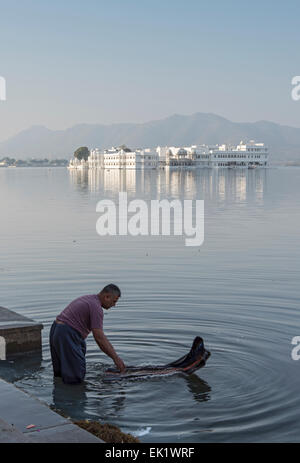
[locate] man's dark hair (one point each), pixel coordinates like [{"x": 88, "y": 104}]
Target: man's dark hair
[{"x": 112, "y": 289}]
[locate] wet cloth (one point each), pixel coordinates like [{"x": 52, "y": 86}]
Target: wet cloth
[
  {"x": 83, "y": 314},
  {"x": 68, "y": 349}
]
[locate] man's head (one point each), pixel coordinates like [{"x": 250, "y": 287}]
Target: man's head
[{"x": 109, "y": 296}]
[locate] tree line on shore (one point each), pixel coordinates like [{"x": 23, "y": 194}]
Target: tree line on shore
[{"x": 12, "y": 162}]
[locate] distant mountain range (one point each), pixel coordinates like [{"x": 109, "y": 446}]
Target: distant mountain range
[{"x": 176, "y": 130}]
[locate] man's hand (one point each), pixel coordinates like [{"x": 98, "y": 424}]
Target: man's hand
[
  {"x": 108, "y": 349},
  {"x": 120, "y": 364}
]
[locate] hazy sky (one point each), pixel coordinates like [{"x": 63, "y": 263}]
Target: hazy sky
[{"x": 72, "y": 61}]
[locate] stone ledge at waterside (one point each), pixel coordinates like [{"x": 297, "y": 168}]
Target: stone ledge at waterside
[
  {"x": 18, "y": 334},
  {"x": 18, "y": 410}
]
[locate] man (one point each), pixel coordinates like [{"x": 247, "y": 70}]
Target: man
[{"x": 72, "y": 326}]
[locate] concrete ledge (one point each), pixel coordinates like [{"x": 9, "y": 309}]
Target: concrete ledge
[
  {"x": 18, "y": 334},
  {"x": 8, "y": 434},
  {"x": 19, "y": 409}
]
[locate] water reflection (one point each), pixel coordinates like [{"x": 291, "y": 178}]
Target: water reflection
[
  {"x": 69, "y": 399},
  {"x": 79, "y": 179},
  {"x": 83, "y": 399},
  {"x": 199, "y": 388},
  {"x": 235, "y": 185},
  {"x": 21, "y": 366}
]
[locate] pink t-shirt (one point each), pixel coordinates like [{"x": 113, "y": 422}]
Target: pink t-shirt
[{"x": 83, "y": 314}]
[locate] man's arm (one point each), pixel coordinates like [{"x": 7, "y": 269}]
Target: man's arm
[{"x": 108, "y": 349}]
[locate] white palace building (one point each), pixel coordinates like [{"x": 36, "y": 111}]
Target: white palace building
[{"x": 247, "y": 155}]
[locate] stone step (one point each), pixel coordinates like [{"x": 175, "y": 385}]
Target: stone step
[
  {"x": 18, "y": 334},
  {"x": 18, "y": 410}
]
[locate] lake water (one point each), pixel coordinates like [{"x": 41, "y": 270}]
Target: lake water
[{"x": 240, "y": 291}]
